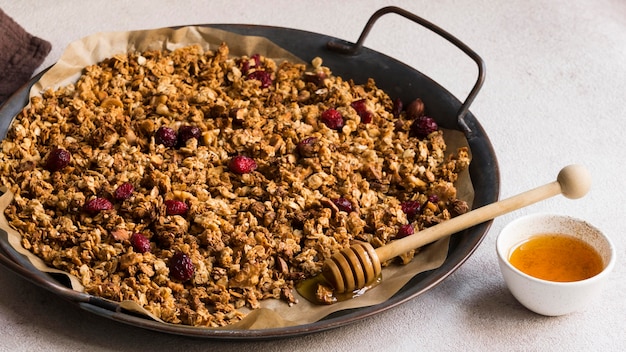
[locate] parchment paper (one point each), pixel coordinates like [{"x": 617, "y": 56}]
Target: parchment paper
[{"x": 273, "y": 313}]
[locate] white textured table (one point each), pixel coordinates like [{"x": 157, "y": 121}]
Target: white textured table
[{"x": 555, "y": 94}]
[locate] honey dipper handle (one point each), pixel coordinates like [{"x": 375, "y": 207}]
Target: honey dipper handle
[{"x": 573, "y": 182}]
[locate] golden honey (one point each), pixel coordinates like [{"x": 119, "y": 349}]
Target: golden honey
[{"x": 557, "y": 257}]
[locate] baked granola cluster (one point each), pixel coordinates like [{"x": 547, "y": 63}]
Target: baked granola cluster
[{"x": 196, "y": 183}]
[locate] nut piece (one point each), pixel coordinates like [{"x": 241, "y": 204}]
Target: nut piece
[{"x": 415, "y": 109}]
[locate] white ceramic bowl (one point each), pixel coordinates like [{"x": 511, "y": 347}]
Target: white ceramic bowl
[{"x": 548, "y": 297}]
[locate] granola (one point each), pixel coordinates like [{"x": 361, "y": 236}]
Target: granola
[{"x": 197, "y": 183}]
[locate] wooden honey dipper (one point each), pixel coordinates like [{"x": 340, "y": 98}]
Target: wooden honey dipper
[{"x": 354, "y": 267}]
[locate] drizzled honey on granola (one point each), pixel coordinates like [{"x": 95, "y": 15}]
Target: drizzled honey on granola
[{"x": 195, "y": 183}]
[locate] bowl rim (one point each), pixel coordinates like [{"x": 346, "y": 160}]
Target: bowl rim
[{"x": 503, "y": 253}]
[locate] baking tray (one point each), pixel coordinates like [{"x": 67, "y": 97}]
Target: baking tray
[{"x": 351, "y": 61}]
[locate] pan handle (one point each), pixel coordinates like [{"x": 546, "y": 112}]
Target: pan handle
[{"x": 353, "y": 49}]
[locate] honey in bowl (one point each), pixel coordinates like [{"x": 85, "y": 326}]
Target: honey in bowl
[{"x": 557, "y": 257}]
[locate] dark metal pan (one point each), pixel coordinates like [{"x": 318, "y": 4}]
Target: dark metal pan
[{"x": 351, "y": 61}]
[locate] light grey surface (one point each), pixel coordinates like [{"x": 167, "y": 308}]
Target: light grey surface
[{"x": 554, "y": 95}]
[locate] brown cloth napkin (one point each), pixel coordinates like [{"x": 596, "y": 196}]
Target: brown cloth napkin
[{"x": 20, "y": 54}]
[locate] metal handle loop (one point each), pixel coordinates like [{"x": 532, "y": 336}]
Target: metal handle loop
[{"x": 353, "y": 49}]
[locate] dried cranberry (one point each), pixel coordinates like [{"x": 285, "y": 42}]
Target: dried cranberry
[
  {"x": 433, "y": 198},
  {"x": 367, "y": 117},
  {"x": 317, "y": 78},
  {"x": 256, "y": 58},
  {"x": 181, "y": 267},
  {"x": 343, "y": 204},
  {"x": 333, "y": 119},
  {"x": 175, "y": 207},
  {"x": 57, "y": 159},
  {"x": 166, "y": 136},
  {"x": 423, "y": 126},
  {"x": 306, "y": 147},
  {"x": 261, "y": 76},
  {"x": 398, "y": 106},
  {"x": 242, "y": 164},
  {"x": 140, "y": 243},
  {"x": 123, "y": 191},
  {"x": 411, "y": 208},
  {"x": 245, "y": 66},
  {"x": 360, "y": 106},
  {"x": 405, "y": 230},
  {"x": 253, "y": 62},
  {"x": 97, "y": 205},
  {"x": 187, "y": 132}
]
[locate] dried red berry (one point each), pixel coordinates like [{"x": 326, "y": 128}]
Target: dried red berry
[
  {"x": 307, "y": 147},
  {"x": 333, "y": 119},
  {"x": 181, "y": 267},
  {"x": 242, "y": 164},
  {"x": 433, "y": 198},
  {"x": 317, "y": 78},
  {"x": 343, "y": 204},
  {"x": 175, "y": 207},
  {"x": 253, "y": 62},
  {"x": 245, "y": 66},
  {"x": 411, "y": 208},
  {"x": 261, "y": 76},
  {"x": 367, "y": 117},
  {"x": 360, "y": 106},
  {"x": 405, "y": 230},
  {"x": 256, "y": 59},
  {"x": 123, "y": 191},
  {"x": 140, "y": 243},
  {"x": 57, "y": 159},
  {"x": 398, "y": 106},
  {"x": 187, "y": 132},
  {"x": 166, "y": 136},
  {"x": 423, "y": 126},
  {"x": 97, "y": 205}
]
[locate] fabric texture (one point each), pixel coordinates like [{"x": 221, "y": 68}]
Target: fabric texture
[{"x": 20, "y": 54}]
